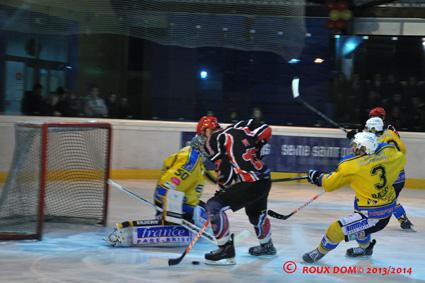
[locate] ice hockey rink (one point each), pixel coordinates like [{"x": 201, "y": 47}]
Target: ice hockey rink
[{"x": 77, "y": 253}]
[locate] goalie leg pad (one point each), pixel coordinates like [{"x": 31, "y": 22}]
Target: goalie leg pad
[
  {"x": 219, "y": 221},
  {"x": 161, "y": 236},
  {"x": 200, "y": 215},
  {"x": 174, "y": 206}
]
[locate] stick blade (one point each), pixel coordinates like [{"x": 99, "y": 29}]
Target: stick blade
[
  {"x": 274, "y": 214},
  {"x": 295, "y": 87},
  {"x": 174, "y": 261}
]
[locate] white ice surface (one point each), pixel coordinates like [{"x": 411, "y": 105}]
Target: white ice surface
[{"x": 77, "y": 253}]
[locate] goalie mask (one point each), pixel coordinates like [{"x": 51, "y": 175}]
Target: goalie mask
[
  {"x": 198, "y": 143},
  {"x": 364, "y": 142},
  {"x": 375, "y": 125}
]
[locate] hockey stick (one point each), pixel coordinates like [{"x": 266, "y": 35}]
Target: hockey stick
[
  {"x": 296, "y": 95},
  {"x": 284, "y": 217},
  {"x": 175, "y": 261},
  {"x": 289, "y": 179},
  {"x": 191, "y": 227}
]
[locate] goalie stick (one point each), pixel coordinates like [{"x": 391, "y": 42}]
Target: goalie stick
[
  {"x": 296, "y": 95},
  {"x": 193, "y": 228},
  {"x": 284, "y": 217}
]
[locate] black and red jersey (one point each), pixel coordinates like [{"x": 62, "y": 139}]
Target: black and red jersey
[{"x": 235, "y": 150}]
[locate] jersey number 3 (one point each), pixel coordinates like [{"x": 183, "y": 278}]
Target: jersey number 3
[{"x": 380, "y": 171}]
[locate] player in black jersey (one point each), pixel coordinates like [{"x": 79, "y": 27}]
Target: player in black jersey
[{"x": 244, "y": 182}]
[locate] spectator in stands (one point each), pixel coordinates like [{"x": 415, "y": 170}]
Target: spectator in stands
[
  {"x": 73, "y": 104},
  {"x": 373, "y": 100},
  {"x": 233, "y": 117},
  {"x": 113, "y": 106},
  {"x": 257, "y": 114},
  {"x": 411, "y": 88},
  {"x": 356, "y": 90},
  {"x": 397, "y": 120},
  {"x": 62, "y": 104},
  {"x": 338, "y": 95},
  {"x": 33, "y": 102},
  {"x": 125, "y": 109},
  {"x": 376, "y": 84},
  {"x": 397, "y": 100},
  {"x": 95, "y": 105},
  {"x": 390, "y": 87},
  {"x": 416, "y": 114},
  {"x": 55, "y": 102}
]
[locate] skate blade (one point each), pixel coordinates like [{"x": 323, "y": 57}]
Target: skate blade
[
  {"x": 358, "y": 256},
  {"x": 265, "y": 256},
  {"x": 410, "y": 230},
  {"x": 226, "y": 261}
]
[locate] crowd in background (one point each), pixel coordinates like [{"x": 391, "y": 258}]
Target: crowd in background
[
  {"x": 404, "y": 101},
  {"x": 68, "y": 104},
  {"x": 352, "y": 98}
]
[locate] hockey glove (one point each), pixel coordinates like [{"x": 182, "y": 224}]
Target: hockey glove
[
  {"x": 351, "y": 134},
  {"x": 314, "y": 177}
]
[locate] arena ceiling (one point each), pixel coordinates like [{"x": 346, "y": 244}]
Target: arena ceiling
[{"x": 83, "y": 9}]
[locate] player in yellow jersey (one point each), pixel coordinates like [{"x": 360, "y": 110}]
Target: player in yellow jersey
[
  {"x": 370, "y": 171},
  {"x": 177, "y": 197},
  {"x": 375, "y": 125},
  {"x": 180, "y": 185}
]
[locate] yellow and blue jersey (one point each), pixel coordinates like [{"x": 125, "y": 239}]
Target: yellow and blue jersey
[
  {"x": 182, "y": 171},
  {"x": 392, "y": 137},
  {"x": 371, "y": 177}
]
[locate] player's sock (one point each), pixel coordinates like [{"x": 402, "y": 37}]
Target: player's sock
[
  {"x": 263, "y": 249},
  {"x": 359, "y": 251},
  {"x": 224, "y": 255},
  {"x": 401, "y": 216}
]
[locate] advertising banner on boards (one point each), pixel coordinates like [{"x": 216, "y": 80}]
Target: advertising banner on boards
[{"x": 299, "y": 153}]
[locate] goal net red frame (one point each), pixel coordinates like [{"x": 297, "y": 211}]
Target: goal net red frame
[{"x": 59, "y": 174}]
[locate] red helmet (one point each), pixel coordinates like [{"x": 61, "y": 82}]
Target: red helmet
[
  {"x": 207, "y": 122},
  {"x": 378, "y": 112}
]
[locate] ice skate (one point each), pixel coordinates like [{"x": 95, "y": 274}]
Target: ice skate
[
  {"x": 406, "y": 225},
  {"x": 359, "y": 251},
  {"x": 263, "y": 249},
  {"x": 224, "y": 255},
  {"x": 313, "y": 256}
]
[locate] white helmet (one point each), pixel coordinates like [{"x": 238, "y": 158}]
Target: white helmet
[
  {"x": 375, "y": 124},
  {"x": 366, "y": 142}
]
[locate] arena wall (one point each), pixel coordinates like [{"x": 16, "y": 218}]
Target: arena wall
[{"x": 140, "y": 146}]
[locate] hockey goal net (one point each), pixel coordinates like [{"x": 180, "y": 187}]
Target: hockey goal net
[{"x": 59, "y": 173}]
